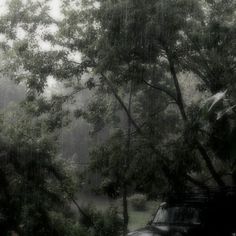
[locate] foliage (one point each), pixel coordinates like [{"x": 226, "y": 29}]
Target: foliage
[
  {"x": 102, "y": 223},
  {"x": 105, "y": 46},
  {"x": 66, "y": 226},
  {"x": 33, "y": 180},
  {"x": 109, "y": 161}
]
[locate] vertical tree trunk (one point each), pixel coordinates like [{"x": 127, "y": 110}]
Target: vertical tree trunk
[
  {"x": 125, "y": 210},
  {"x": 180, "y": 104},
  {"x": 209, "y": 165},
  {"x": 126, "y": 165},
  {"x": 132, "y": 121},
  {"x": 179, "y": 97}
]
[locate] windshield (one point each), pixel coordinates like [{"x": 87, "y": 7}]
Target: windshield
[{"x": 177, "y": 215}]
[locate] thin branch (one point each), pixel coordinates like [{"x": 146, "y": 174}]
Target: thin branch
[
  {"x": 162, "y": 89},
  {"x": 165, "y": 167},
  {"x": 113, "y": 90},
  {"x": 209, "y": 164},
  {"x": 52, "y": 19},
  {"x": 198, "y": 49}
]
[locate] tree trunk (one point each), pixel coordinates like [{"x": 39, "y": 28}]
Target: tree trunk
[
  {"x": 125, "y": 210},
  {"x": 179, "y": 97},
  {"x": 126, "y": 165},
  {"x": 180, "y": 104},
  {"x": 209, "y": 165},
  {"x": 128, "y": 113},
  {"x": 136, "y": 126}
]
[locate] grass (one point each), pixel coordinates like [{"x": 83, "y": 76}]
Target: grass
[{"x": 137, "y": 219}]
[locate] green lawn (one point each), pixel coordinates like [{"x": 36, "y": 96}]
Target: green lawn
[{"x": 137, "y": 219}]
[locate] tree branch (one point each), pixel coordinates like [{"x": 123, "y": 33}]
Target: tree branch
[
  {"x": 50, "y": 17},
  {"x": 180, "y": 104},
  {"x": 137, "y": 127},
  {"x": 209, "y": 164},
  {"x": 113, "y": 90},
  {"x": 179, "y": 98},
  {"x": 162, "y": 89},
  {"x": 198, "y": 49}
]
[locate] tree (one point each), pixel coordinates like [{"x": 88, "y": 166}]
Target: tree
[
  {"x": 148, "y": 43},
  {"x": 210, "y": 53},
  {"x": 34, "y": 183}
]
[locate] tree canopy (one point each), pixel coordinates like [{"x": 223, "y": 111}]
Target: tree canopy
[{"x": 135, "y": 59}]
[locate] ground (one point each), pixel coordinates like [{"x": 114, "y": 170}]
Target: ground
[{"x": 137, "y": 219}]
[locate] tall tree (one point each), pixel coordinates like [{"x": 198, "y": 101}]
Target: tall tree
[
  {"x": 34, "y": 182},
  {"x": 147, "y": 42}
]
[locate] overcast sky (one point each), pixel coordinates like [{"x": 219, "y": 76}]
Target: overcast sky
[
  {"x": 53, "y": 86},
  {"x": 55, "y": 7}
]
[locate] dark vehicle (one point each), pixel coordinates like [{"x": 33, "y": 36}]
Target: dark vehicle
[{"x": 210, "y": 213}]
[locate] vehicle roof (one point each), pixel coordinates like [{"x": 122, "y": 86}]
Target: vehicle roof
[{"x": 217, "y": 195}]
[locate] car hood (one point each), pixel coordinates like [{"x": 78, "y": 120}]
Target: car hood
[
  {"x": 162, "y": 231},
  {"x": 142, "y": 232}
]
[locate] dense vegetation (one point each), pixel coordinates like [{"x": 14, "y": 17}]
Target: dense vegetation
[{"x": 157, "y": 83}]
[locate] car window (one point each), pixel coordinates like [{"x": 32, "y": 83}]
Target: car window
[{"x": 177, "y": 214}]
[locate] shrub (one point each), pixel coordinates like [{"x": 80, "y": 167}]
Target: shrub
[
  {"x": 104, "y": 223},
  {"x": 66, "y": 227},
  {"x": 138, "y": 202}
]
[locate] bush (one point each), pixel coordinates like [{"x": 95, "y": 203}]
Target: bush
[
  {"x": 104, "y": 223},
  {"x": 66, "y": 227},
  {"x": 138, "y": 202}
]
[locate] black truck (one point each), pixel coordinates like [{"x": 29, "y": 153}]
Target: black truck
[{"x": 203, "y": 213}]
